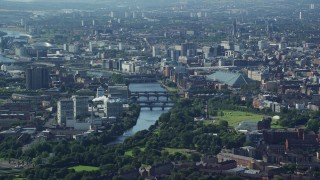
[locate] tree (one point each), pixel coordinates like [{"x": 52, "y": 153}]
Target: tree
[
  {"x": 117, "y": 79},
  {"x": 313, "y": 125},
  {"x": 36, "y": 161},
  {"x": 223, "y": 123}
]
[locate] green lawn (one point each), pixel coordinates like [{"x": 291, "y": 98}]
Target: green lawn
[
  {"x": 175, "y": 150},
  {"x": 129, "y": 152},
  {"x": 235, "y": 117},
  {"x": 170, "y": 89},
  {"x": 156, "y": 131},
  {"x": 84, "y": 168},
  {"x": 275, "y": 125}
]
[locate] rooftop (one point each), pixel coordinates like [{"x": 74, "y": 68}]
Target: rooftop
[{"x": 229, "y": 78}]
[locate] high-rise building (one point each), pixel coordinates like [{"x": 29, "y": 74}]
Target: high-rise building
[
  {"x": 113, "y": 107},
  {"x": 208, "y": 51},
  {"x": 173, "y": 54},
  {"x": 37, "y": 78},
  {"x": 100, "y": 92},
  {"x": 300, "y": 15},
  {"x": 118, "y": 91},
  {"x": 120, "y": 46},
  {"x": 73, "y": 48},
  {"x": 187, "y": 46},
  {"x": 312, "y": 6},
  {"x": 65, "y": 47},
  {"x": 156, "y": 51},
  {"x": 80, "y": 106},
  {"x": 263, "y": 44},
  {"x": 64, "y": 111},
  {"x": 234, "y": 28},
  {"x": 22, "y": 23},
  {"x": 90, "y": 46}
]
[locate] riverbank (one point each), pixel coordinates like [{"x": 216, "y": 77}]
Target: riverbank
[
  {"x": 169, "y": 89},
  {"x": 127, "y": 122},
  {"x": 5, "y": 59},
  {"x": 147, "y": 118},
  {"x": 13, "y": 29}
]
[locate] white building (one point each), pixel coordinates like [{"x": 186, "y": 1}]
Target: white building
[
  {"x": 156, "y": 51},
  {"x": 283, "y": 45},
  {"x": 90, "y": 46},
  {"x": 64, "y": 111},
  {"x": 11, "y": 68},
  {"x": 128, "y": 67},
  {"x": 74, "y": 48},
  {"x": 121, "y": 46}
]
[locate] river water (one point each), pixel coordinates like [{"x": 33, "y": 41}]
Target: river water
[
  {"x": 5, "y": 59},
  {"x": 14, "y": 34},
  {"x": 147, "y": 117}
]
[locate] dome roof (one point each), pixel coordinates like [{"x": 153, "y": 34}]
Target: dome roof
[{"x": 41, "y": 45}]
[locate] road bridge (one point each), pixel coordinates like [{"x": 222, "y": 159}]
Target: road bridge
[{"x": 148, "y": 94}]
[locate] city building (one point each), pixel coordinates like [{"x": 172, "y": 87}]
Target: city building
[
  {"x": 80, "y": 106},
  {"x": 128, "y": 67},
  {"x": 100, "y": 92},
  {"x": 113, "y": 107},
  {"x": 231, "y": 79},
  {"x": 188, "y": 49},
  {"x": 64, "y": 111},
  {"x": 118, "y": 91},
  {"x": 37, "y": 78}
]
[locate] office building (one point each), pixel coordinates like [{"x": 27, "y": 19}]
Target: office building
[
  {"x": 174, "y": 54},
  {"x": 80, "y": 106},
  {"x": 234, "y": 28},
  {"x": 37, "y": 78},
  {"x": 100, "y": 92},
  {"x": 113, "y": 107},
  {"x": 187, "y": 46},
  {"x": 128, "y": 67},
  {"x": 118, "y": 91},
  {"x": 263, "y": 44},
  {"x": 64, "y": 111},
  {"x": 156, "y": 51}
]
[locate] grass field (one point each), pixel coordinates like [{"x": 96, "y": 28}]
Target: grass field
[
  {"x": 235, "y": 117},
  {"x": 10, "y": 171},
  {"x": 175, "y": 150},
  {"x": 129, "y": 152},
  {"x": 84, "y": 168},
  {"x": 170, "y": 89}
]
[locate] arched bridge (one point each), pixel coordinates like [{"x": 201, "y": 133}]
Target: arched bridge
[
  {"x": 153, "y": 99},
  {"x": 148, "y": 94}
]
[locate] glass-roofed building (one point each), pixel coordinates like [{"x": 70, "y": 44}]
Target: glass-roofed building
[{"x": 231, "y": 79}]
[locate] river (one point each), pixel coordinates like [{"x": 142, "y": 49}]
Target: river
[
  {"x": 146, "y": 117},
  {"x": 5, "y": 59},
  {"x": 14, "y": 34}
]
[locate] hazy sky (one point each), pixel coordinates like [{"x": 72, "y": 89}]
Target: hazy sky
[{"x": 49, "y": 1}]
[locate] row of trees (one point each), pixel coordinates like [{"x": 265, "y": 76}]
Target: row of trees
[{"x": 175, "y": 129}]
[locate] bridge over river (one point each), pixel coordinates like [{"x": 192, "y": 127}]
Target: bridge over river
[{"x": 152, "y": 99}]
